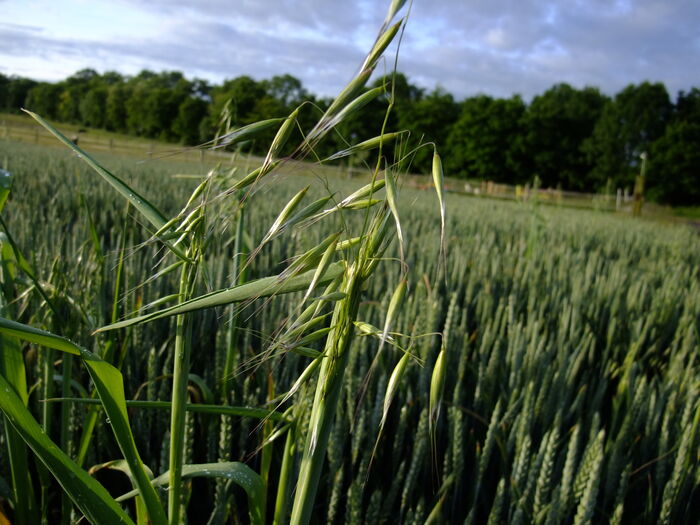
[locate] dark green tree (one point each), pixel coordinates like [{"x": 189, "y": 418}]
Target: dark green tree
[
  {"x": 404, "y": 96},
  {"x": 240, "y": 95},
  {"x": 115, "y": 107},
  {"x": 69, "y": 104},
  {"x": 186, "y": 125},
  {"x": 160, "y": 111},
  {"x": 82, "y": 77},
  {"x": 17, "y": 90},
  {"x": 688, "y": 106},
  {"x": 486, "y": 141},
  {"x": 135, "y": 107},
  {"x": 627, "y": 127},
  {"x": 201, "y": 89},
  {"x": 111, "y": 78},
  {"x": 93, "y": 107},
  {"x": 154, "y": 101},
  {"x": 674, "y": 171},
  {"x": 232, "y": 104},
  {"x": 403, "y": 91},
  {"x": 74, "y": 89},
  {"x": 429, "y": 119},
  {"x": 557, "y": 124},
  {"x": 287, "y": 89},
  {"x": 43, "y": 99},
  {"x": 4, "y": 92}
]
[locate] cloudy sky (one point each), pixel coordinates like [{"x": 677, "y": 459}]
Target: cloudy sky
[{"x": 498, "y": 47}]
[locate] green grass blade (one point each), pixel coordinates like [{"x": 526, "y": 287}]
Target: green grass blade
[
  {"x": 13, "y": 370},
  {"x": 380, "y": 45},
  {"x": 240, "y": 473},
  {"x": 285, "y": 214},
  {"x": 284, "y": 484},
  {"x": 394, "y": 8},
  {"x": 154, "y": 216},
  {"x": 392, "y": 387},
  {"x": 225, "y": 410},
  {"x": 12, "y": 366},
  {"x": 348, "y": 93},
  {"x": 243, "y": 133},
  {"x": 148, "y": 210},
  {"x": 39, "y": 337},
  {"x": 89, "y": 496},
  {"x": 12, "y": 259},
  {"x": 122, "y": 466},
  {"x": 110, "y": 387},
  {"x": 264, "y": 287},
  {"x": 437, "y": 384},
  {"x": 365, "y": 145},
  {"x": 392, "y": 201},
  {"x": 439, "y": 183}
]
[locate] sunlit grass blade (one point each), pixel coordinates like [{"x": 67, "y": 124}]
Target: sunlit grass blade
[
  {"x": 154, "y": 216},
  {"x": 197, "y": 408},
  {"x": 347, "y": 94},
  {"x": 392, "y": 387},
  {"x": 285, "y": 214},
  {"x": 439, "y": 183},
  {"x": 122, "y": 466},
  {"x": 321, "y": 269},
  {"x": 394, "y": 8},
  {"x": 437, "y": 386},
  {"x": 254, "y": 176},
  {"x": 392, "y": 200},
  {"x": 251, "y": 290},
  {"x": 353, "y": 107},
  {"x": 240, "y": 473},
  {"x": 243, "y": 133},
  {"x": 281, "y": 137},
  {"x": 148, "y": 210},
  {"x": 380, "y": 45},
  {"x": 365, "y": 145}
]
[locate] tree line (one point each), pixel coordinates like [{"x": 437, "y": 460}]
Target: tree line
[{"x": 576, "y": 139}]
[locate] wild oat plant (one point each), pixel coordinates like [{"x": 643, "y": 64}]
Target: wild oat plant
[{"x": 329, "y": 279}]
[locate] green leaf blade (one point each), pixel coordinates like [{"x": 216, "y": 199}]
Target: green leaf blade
[
  {"x": 89, "y": 496},
  {"x": 265, "y": 287}
]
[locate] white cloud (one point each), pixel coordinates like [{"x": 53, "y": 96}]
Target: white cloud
[{"x": 498, "y": 38}]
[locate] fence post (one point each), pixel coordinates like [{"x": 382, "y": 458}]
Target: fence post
[
  {"x": 618, "y": 200},
  {"x": 639, "y": 187}
]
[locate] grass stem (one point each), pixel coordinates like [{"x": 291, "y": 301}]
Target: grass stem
[{"x": 181, "y": 368}]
